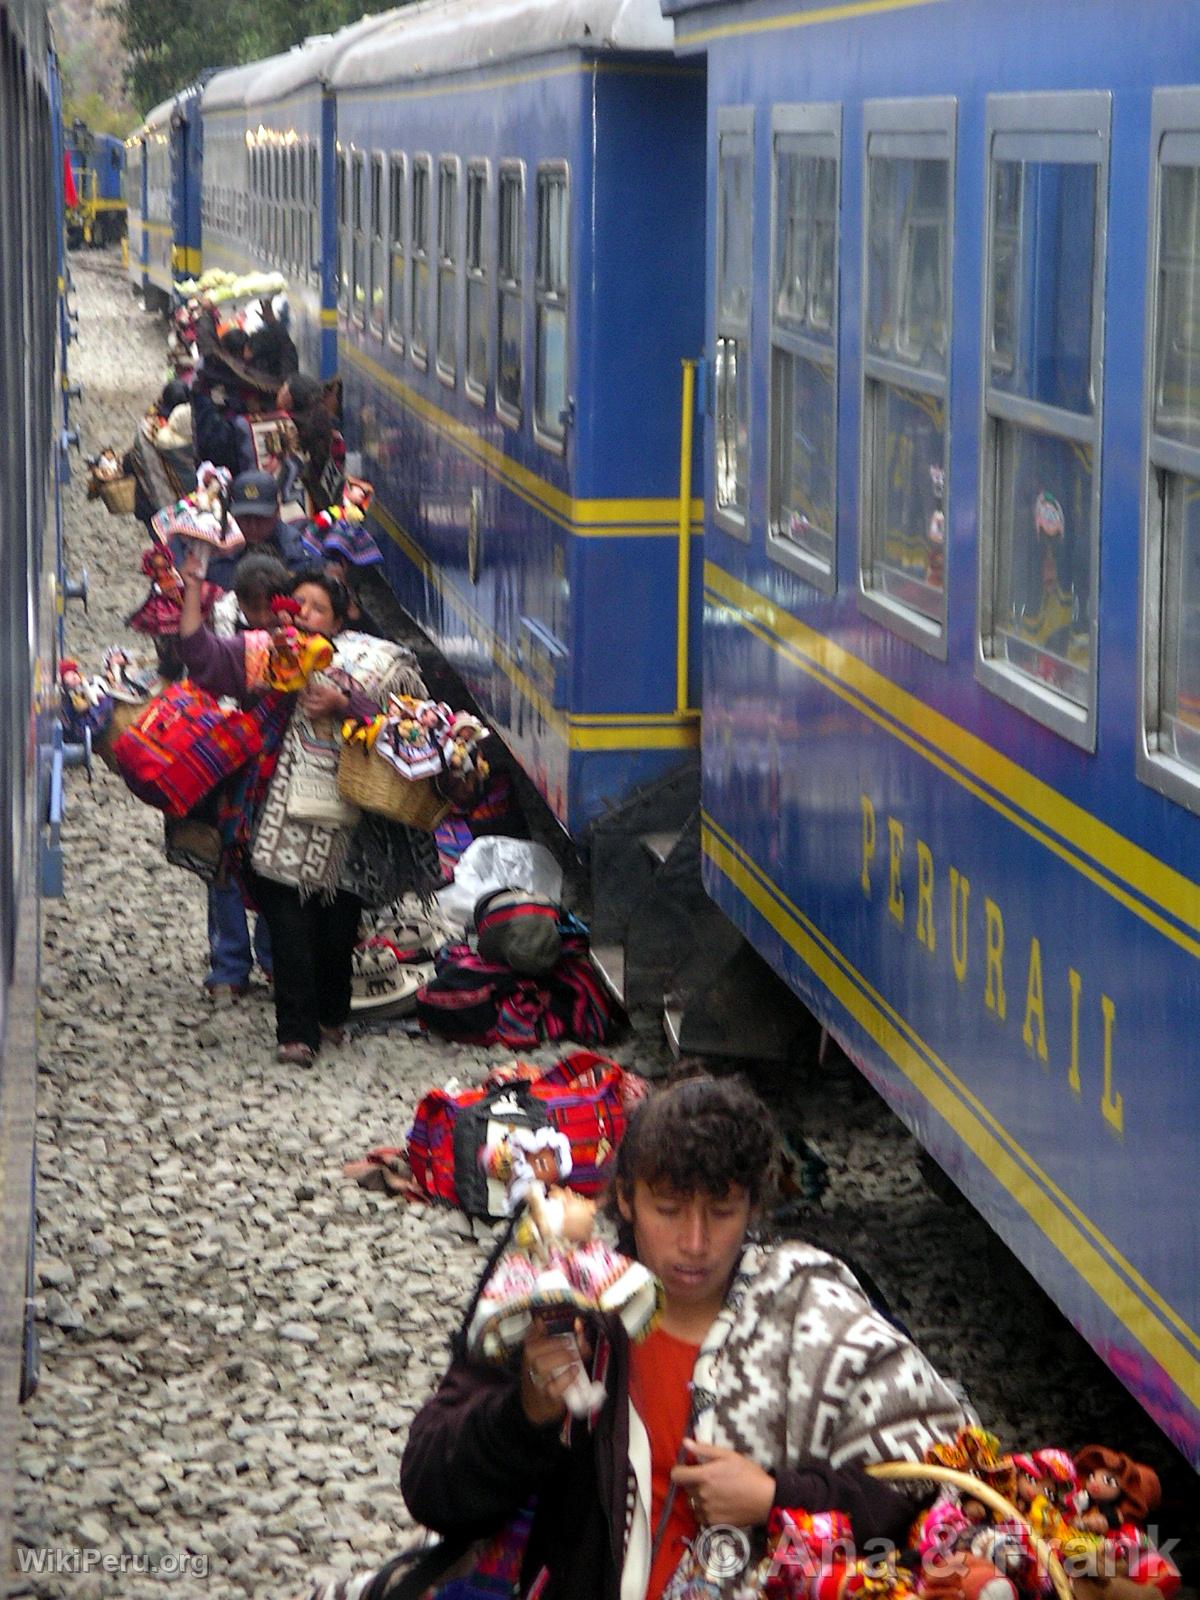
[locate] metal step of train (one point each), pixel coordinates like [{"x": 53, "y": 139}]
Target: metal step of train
[{"x": 664, "y": 950}]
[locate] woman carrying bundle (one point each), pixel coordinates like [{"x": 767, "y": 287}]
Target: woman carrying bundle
[{"x": 297, "y": 836}]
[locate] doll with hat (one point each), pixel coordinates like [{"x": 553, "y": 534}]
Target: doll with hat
[
  {"x": 555, "y": 1269},
  {"x": 1050, "y": 1473},
  {"x": 202, "y": 518}
]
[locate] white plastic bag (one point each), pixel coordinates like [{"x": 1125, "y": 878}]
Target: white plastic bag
[{"x": 494, "y": 862}]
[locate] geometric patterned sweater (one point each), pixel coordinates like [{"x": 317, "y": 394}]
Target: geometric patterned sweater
[{"x": 798, "y": 1363}]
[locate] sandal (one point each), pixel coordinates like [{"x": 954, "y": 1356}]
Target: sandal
[
  {"x": 296, "y": 1052},
  {"x": 333, "y": 1036},
  {"x": 387, "y": 1169}
]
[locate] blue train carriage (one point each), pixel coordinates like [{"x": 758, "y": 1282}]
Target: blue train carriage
[
  {"x": 519, "y": 199},
  {"x": 31, "y": 170},
  {"x": 165, "y": 164},
  {"x": 285, "y": 182},
  {"x": 951, "y": 757},
  {"x": 98, "y": 166},
  {"x": 225, "y": 208}
]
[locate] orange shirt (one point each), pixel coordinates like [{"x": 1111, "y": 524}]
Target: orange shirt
[{"x": 660, "y": 1386}]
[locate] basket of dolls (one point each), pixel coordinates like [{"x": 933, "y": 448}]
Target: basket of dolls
[
  {"x": 118, "y": 495},
  {"x": 1043, "y": 1550},
  {"x": 368, "y": 781}
]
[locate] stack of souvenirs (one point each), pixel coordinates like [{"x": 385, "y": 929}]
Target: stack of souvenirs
[
  {"x": 1013, "y": 1527},
  {"x": 108, "y": 481},
  {"x": 88, "y": 704},
  {"x": 202, "y": 518},
  {"x": 430, "y": 749}
]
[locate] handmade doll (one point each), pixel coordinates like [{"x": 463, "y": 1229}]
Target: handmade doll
[
  {"x": 201, "y": 518},
  {"x": 125, "y": 677},
  {"x": 1114, "y": 1490},
  {"x": 285, "y": 658},
  {"x": 558, "y": 1271},
  {"x": 1050, "y": 1473},
  {"x": 159, "y": 613},
  {"x": 527, "y": 1155},
  {"x": 357, "y": 495},
  {"x": 84, "y": 705},
  {"x": 73, "y": 686}
]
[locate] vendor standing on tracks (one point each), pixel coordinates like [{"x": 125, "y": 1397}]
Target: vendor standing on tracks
[
  {"x": 769, "y": 1381},
  {"x": 298, "y": 869}
]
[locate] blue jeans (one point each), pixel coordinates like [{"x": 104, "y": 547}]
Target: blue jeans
[{"x": 229, "y": 950}]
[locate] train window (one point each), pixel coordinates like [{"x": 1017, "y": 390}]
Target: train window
[
  {"x": 276, "y": 241},
  {"x": 1039, "y": 517},
  {"x": 447, "y": 278},
  {"x": 297, "y": 248},
  {"x": 510, "y": 264},
  {"x": 1169, "y": 747},
  {"x": 358, "y": 242},
  {"x": 550, "y": 295},
  {"x": 378, "y": 275},
  {"x": 396, "y": 251},
  {"x": 735, "y": 225},
  {"x": 478, "y": 295},
  {"x": 418, "y": 324},
  {"x": 313, "y": 265},
  {"x": 802, "y": 523},
  {"x": 343, "y": 253},
  {"x": 907, "y": 233}
]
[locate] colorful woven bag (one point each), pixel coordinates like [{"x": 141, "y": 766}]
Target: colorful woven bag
[
  {"x": 182, "y": 746},
  {"x": 580, "y": 1097}
]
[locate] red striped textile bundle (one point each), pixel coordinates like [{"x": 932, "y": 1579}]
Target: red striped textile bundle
[{"x": 182, "y": 746}]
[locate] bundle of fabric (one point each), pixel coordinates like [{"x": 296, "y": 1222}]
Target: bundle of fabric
[
  {"x": 183, "y": 747},
  {"x": 313, "y": 857},
  {"x": 160, "y": 458},
  {"x": 477, "y": 1001}
]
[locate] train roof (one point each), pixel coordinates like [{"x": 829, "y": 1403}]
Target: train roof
[
  {"x": 160, "y": 116},
  {"x": 226, "y": 90},
  {"x": 314, "y": 60},
  {"x": 439, "y": 36}
]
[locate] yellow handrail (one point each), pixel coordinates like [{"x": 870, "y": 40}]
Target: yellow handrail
[{"x": 687, "y": 423}]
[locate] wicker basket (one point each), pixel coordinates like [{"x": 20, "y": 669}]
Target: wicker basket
[
  {"x": 921, "y": 1471},
  {"x": 118, "y": 495},
  {"x": 124, "y": 715},
  {"x": 375, "y": 785}
]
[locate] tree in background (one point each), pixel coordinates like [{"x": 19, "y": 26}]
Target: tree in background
[
  {"x": 170, "y": 45},
  {"x": 91, "y": 57}
]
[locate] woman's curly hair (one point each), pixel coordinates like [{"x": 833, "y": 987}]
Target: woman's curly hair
[{"x": 701, "y": 1134}]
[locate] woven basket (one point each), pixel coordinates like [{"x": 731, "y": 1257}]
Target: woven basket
[
  {"x": 124, "y": 715},
  {"x": 924, "y": 1472},
  {"x": 375, "y": 785},
  {"x": 118, "y": 496}
]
